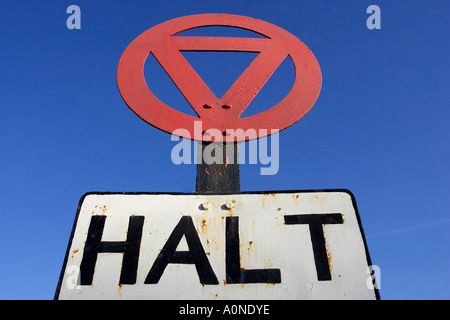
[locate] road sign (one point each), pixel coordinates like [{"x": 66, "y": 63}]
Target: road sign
[
  {"x": 222, "y": 113},
  {"x": 274, "y": 245}
]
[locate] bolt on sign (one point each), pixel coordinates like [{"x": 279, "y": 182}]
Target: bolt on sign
[
  {"x": 280, "y": 245},
  {"x": 218, "y": 243}
]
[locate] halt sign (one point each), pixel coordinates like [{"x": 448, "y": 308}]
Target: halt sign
[{"x": 274, "y": 245}]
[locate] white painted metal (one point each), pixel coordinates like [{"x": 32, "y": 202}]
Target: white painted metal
[{"x": 266, "y": 242}]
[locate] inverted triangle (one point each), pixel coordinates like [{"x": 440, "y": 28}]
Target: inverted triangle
[
  {"x": 219, "y": 70},
  {"x": 195, "y": 90}
]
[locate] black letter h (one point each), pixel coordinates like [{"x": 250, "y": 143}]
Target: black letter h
[{"x": 94, "y": 246}]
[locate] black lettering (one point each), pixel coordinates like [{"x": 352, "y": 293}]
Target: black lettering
[
  {"x": 316, "y": 222},
  {"x": 94, "y": 246},
  {"x": 234, "y": 272},
  {"x": 196, "y": 254}
]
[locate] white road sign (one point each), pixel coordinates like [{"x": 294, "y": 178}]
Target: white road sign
[{"x": 282, "y": 245}]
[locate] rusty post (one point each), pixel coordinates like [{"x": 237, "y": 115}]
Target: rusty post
[{"x": 218, "y": 176}]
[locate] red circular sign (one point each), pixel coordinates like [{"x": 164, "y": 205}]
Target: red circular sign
[{"x": 218, "y": 119}]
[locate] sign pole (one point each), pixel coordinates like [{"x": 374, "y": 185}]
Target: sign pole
[{"x": 218, "y": 168}]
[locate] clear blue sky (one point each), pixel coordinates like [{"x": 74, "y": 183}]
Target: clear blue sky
[{"x": 379, "y": 128}]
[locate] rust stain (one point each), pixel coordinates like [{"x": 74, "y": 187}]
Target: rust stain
[
  {"x": 101, "y": 208},
  {"x": 73, "y": 252},
  {"x": 329, "y": 261},
  {"x": 328, "y": 254},
  {"x": 321, "y": 199},
  {"x": 295, "y": 197},
  {"x": 204, "y": 225}
]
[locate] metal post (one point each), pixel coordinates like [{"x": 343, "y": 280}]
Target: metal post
[{"x": 218, "y": 168}]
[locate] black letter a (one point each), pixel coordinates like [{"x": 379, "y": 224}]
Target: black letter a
[{"x": 196, "y": 255}]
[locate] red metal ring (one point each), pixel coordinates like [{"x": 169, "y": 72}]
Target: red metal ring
[{"x": 221, "y": 114}]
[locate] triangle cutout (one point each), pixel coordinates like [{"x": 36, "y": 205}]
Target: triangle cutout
[{"x": 219, "y": 69}]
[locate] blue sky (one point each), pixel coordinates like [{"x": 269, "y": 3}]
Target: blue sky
[{"x": 379, "y": 127}]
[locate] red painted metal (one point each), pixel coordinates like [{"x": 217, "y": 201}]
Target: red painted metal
[{"x": 219, "y": 113}]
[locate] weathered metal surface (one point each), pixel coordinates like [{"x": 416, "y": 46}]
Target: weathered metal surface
[
  {"x": 221, "y": 113},
  {"x": 284, "y": 245}
]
